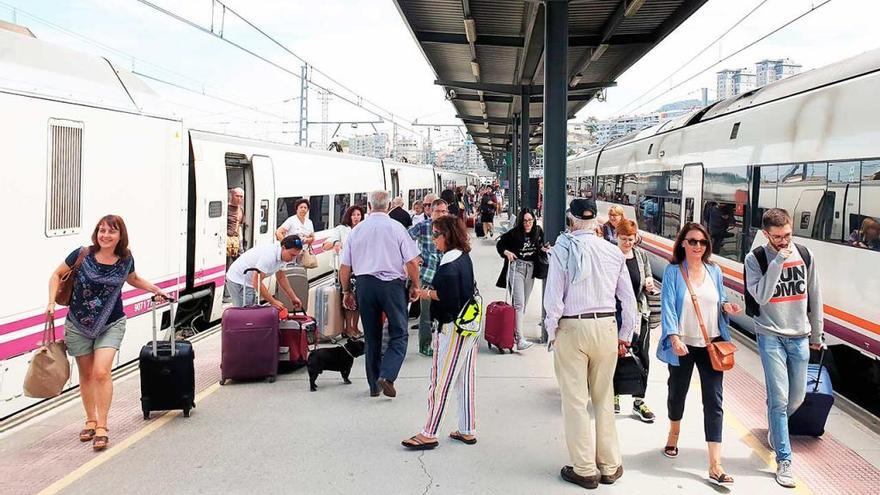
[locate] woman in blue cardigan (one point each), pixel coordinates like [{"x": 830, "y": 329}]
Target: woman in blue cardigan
[{"x": 682, "y": 345}]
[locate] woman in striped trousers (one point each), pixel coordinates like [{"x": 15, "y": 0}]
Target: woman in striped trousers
[{"x": 455, "y": 354}]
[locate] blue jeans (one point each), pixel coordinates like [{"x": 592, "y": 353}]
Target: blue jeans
[
  {"x": 785, "y": 375},
  {"x": 240, "y": 294},
  {"x": 374, "y": 297}
]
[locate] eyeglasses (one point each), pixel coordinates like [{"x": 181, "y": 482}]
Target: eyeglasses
[
  {"x": 779, "y": 238},
  {"x": 695, "y": 242},
  {"x": 436, "y": 234}
]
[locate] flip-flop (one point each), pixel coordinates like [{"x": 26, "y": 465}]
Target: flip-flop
[
  {"x": 456, "y": 435},
  {"x": 413, "y": 443}
]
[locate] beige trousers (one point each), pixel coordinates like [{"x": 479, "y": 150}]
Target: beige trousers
[{"x": 585, "y": 359}]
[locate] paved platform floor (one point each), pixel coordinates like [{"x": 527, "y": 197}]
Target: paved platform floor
[{"x": 256, "y": 438}]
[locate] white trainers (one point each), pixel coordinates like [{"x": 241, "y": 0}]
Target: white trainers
[
  {"x": 785, "y": 475},
  {"x": 523, "y": 344}
]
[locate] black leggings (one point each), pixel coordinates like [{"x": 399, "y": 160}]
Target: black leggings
[{"x": 711, "y": 385}]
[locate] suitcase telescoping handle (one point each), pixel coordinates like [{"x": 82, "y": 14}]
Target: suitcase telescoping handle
[
  {"x": 174, "y": 303},
  {"x": 821, "y": 365}
]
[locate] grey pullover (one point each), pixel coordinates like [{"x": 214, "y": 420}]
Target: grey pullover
[{"x": 783, "y": 292}]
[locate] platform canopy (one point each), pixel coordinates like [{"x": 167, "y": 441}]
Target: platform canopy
[{"x": 489, "y": 54}]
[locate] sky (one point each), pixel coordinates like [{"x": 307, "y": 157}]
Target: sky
[{"x": 365, "y": 46}]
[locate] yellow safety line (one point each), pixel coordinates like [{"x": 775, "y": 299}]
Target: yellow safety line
[
  {"x": 120, "y": 447},
  {"x": 758, "y": 448}
]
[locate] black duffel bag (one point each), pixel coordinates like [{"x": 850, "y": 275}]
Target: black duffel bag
[{"x": 630, "y": 376}]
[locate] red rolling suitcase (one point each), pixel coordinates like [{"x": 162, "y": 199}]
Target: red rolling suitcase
[
  {"x": 500, "y": 326},
  {"x": 293, "y": 350},
  {"x": 249, "y": 342},
  {"x": 501, "y": 323}
]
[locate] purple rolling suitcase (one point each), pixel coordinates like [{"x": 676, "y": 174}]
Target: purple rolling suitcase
[{"x": 249, "y": 343}]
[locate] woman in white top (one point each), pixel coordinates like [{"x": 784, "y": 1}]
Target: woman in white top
[
  {"x": 353, "y": 216},
  {"x": 682, "y": 345},
  {"x": 299, "y": 224}
]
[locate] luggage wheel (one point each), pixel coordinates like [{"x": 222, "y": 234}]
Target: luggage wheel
[
  {"x": 271, "y": 379},
  {"x": 186, "y": 413},
  {"x": 223, "y": 381},
  {"x": 146, "y": 414}
]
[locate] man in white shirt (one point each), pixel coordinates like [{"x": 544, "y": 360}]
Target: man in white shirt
[{"x": 266, "y": 259}]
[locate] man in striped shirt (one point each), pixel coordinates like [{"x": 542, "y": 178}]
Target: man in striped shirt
[
  {"x": 421, "y": 233},
  {"x": 585, "y": 275}
]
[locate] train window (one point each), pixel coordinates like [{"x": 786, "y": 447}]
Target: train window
[
  {"x": 671, "y": 217},
  {"x": 285, "y": 209},
  {"x": 791, "y": 173},
  {"x": 843, "y": 187},
  {"x": 413, "y": 196},
  {"x": 734, "y": 131},
  {"x": 361, "y": 199},
  {"x": 725, "y": 194},
  {"x": 319, "y": 212},
  {"x": 64, "y": 184},
  {"x": 341, "y": 203},
  {"x": 816, "y": 173}
]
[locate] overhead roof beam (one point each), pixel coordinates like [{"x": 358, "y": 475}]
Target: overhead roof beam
[
  {"x": 578, "y": 41},
  {"x": 509, "y": 99},
  {"x": 478, "y": 119},
  {"x": 516, "y": 89}
]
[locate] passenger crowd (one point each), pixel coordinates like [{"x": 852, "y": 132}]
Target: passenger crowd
[{"x": 598, "y": 284}]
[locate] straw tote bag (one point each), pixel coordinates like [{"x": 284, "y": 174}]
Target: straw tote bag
[
  {"x": 49, "y": 369},
  {"x": 309, "y": 260}
]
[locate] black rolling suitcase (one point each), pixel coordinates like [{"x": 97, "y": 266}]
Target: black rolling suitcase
[{"x": 167, "y": 370}]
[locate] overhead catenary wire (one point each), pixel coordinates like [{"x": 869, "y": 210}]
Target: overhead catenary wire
[
  {"x": 737, "y": 52},
  {"x": 682, "y": 66},
  {"x": 388, "y": 114}
]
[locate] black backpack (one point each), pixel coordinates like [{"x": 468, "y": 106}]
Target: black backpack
[{"x": 752, "y": 307}]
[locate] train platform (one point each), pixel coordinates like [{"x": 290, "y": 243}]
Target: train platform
[{"x": 270, "y": 438}]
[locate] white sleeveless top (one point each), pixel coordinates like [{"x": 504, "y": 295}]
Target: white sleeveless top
[{"x": 689, "y": 325}]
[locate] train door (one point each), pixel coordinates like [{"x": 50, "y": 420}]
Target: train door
[
  {"x": 691, "y": 192},
  {"x": 262, "y": 216},
  {"x": 395, "y": 183}
]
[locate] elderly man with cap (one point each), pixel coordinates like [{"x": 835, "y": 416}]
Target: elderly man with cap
[{"x": 585, "y": 275}]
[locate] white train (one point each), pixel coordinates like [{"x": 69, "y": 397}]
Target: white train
[
  {"x": 809, "y": 143},
  {"x": 84, "y": 138}
]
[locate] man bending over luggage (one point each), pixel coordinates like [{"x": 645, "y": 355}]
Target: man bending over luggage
[
  {"x": 786, "y": 305},
  {"x": 267, "y": 259}
]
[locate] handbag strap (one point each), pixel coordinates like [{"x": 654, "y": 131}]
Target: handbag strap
[
  {"x": 49, "y": 329},
  {"x": 696, "y": 304}
]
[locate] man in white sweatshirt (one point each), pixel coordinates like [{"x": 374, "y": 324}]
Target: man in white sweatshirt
[{"x": 784, "y": 300}]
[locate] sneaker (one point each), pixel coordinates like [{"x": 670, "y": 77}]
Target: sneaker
[
  {"x": 523, "y": 344},
  {"x": 616, "y": 404},
  {"x": 785, "y": 475},
  {"x": 641, "y": 410}
]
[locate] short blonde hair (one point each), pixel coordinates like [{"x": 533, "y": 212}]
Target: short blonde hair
[{"x": 617, "y": 209}]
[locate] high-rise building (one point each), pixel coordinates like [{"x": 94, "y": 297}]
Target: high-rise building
[
  {"x": 407, "y": 149},
  {"x": 732, "y": 82},
  {"x": 768, "y": 71},
  {"x": 372, "y": 145},
  {"x": 608, "y": 130}
]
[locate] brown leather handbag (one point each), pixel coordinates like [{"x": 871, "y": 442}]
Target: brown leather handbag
[
  {"x": 65, "y": 288},
  {"x": 720, "y": 353}
]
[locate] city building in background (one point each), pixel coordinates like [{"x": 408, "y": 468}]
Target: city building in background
[
  {"x": 732, "y": 82},
  {"x": 768, "y": 71},
  {"x": 373, "y": 145}
]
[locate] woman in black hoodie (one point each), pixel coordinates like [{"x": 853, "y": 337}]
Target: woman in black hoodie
[
  {"x": 521, "y": 247},
  {"x": 455, "y": 353}
]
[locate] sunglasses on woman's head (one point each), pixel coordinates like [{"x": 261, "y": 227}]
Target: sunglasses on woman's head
[{"x": 694, "y": 242}]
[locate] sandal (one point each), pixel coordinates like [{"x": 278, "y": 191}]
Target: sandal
[
  {"x": 721, "y": 478},
  {"x": 87, "y": 434},
  {"x": 467, "y": 439},
  {"x": 101, "y": 441},
  {"x": 413, "y": 443},
  {"x": 671, "y": 451}
]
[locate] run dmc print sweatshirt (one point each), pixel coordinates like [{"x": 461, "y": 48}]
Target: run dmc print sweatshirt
[{"x": 783, "y": 293}]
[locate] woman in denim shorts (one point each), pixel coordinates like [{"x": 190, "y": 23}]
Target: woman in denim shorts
[{"x": 95, "y": 321}]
